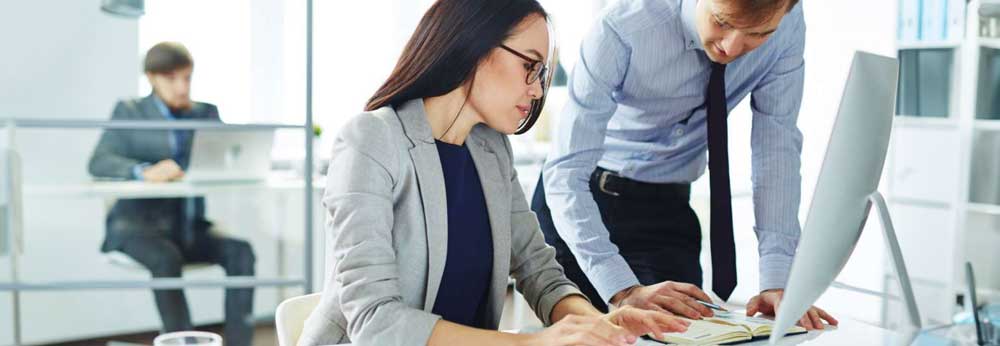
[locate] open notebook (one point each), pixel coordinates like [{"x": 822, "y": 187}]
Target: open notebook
[{"x": 724, "y": 328}]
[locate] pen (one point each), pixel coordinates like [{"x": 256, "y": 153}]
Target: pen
[{"x": 711, "y": 306}]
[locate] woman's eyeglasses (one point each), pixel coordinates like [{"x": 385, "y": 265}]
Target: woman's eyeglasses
[{"x": 536, "y": 69}]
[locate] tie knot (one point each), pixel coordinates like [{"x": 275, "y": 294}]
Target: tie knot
[{"x": 717, "y": 67}]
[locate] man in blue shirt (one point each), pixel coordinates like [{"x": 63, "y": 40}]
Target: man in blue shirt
[
  {"x": 648, "y": 97},
  {"x": 163, "y": 234}
]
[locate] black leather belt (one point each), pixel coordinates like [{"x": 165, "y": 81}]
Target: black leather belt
[{"x": 609, "y": 182}]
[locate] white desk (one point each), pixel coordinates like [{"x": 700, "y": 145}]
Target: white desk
[
  {"x": 138, "y": 189},
  {"x": 849, "y": 333}
]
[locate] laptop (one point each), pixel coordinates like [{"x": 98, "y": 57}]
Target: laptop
[{"x": 230, "y": 156}]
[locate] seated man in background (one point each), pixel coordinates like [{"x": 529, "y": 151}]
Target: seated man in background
[{"x": 165, "y": 233}]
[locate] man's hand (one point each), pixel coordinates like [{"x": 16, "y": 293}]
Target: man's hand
[
  {"x": 674, "y": 298},
  {"x": 767, "y": 303},
  {"x": 163, "y": 171}
]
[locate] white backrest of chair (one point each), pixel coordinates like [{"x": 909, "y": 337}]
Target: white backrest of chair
[{"x": 291, "y": 316}]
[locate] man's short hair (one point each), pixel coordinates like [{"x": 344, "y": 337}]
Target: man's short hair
[
  {"x": 167, "y": 57},
  {"x": 758, "y": 11}
]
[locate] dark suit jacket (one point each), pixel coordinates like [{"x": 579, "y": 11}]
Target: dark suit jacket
[{"x": 119, "y": 150}]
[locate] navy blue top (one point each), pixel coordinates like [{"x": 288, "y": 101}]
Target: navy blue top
[{"x": 469, "y": 263}]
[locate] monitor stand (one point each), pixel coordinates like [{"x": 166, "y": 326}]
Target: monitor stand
[{"x": 896, "y": 256}]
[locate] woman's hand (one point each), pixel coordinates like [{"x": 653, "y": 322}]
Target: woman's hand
[
  {"x": 620, "y": 327},
  {"x": 641, "y": 322},
  {"x": 577, "y": 330}
]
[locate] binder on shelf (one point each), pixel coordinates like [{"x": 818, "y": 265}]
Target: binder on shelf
[
  {"x": 909, "y": 21},
  {"x": 955, "y": 27},
  {"x": 932, "y": 20}
]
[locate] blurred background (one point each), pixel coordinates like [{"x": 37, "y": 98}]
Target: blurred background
[{"x": 66, "y": 63}]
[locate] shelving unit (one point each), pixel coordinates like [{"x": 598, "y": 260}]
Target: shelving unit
[
  {"x": 943, "y": 174},
  {"x": 993, "y": 43}
]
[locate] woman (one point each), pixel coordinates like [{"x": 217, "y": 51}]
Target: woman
[{"x": 427, "y": 220}]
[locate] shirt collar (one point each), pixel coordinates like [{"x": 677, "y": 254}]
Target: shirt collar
[
  {"x": 162, "y": 107},
  {"x": 692, "y": 40}
]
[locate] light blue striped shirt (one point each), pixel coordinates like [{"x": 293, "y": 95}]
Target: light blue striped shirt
[
  {"x": 174, "y": 148},
  {"x": 642, "y": 71}
]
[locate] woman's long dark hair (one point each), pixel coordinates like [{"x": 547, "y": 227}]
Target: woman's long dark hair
[{"x": 453, "y": 37}]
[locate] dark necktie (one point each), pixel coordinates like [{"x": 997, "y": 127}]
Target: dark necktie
[
  {"x": 182, "y": 155},
  {"x": 723, "y": 248},
  {"x": 182, "y": 145}
]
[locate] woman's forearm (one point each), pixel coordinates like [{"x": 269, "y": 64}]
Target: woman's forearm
[
  {"x": 573, "y": 305},
  {"x": 447, "y": 333}
]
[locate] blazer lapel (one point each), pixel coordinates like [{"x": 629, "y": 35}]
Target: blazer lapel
[
  {"x": 161, "y": 138},
  {"x": 149, "y": 110},
  {"x": 430, "y": 178},
  {"x": 497, "y": 195}
]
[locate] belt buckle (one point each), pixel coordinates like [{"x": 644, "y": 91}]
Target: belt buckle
[{"x": 602, "y": 183}]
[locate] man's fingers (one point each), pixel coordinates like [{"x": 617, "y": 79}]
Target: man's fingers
[
  {"x": 774, "y": 306},
  {"x": 829, "y": 318},
  {"x": 753, "y": 306},
  {"x": 678, "y": 307},
  {"x": 691, "y": 290},
  {"x": 804, "y": 323},
  {"x": 659, "y": 309},
  {"x": 691, "y": 302},
  {"x": 814, "y": 319}
]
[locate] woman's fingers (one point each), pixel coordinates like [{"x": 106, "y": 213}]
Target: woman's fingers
[
  {"x": 605, "y": 330},
  {"x": 672, "y": 324},
  {"x": 586, "y": 331}
]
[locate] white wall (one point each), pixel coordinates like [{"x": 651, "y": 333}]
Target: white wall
[{"x": 62, "y": 59}]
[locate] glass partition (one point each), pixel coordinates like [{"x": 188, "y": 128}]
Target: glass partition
[{"x": 97, "y": 238}]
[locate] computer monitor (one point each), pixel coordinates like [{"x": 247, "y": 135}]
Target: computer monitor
[{"x": 846, "y": 191}]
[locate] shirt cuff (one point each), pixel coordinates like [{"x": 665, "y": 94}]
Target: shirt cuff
[
  {"x": 774, "y": 271},
  {"x": 137, "y": 170},
  {"x": 611, "y": 276}
]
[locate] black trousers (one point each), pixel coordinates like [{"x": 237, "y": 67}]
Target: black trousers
[
  {"x": 653, "y": 225},
  {"x": 164, "y": 259}
]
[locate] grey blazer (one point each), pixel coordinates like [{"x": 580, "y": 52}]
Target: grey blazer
[
  {"x": 121, "y": 149},
  {"x": 387, "y": 232}
]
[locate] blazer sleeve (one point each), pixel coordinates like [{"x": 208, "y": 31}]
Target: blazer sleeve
[
  {"x": 533, "y": 262},
  {"x": 359, "y": 202},
  {"x": 212, "y": 112},
  {"x": 110, "y": 159}
]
